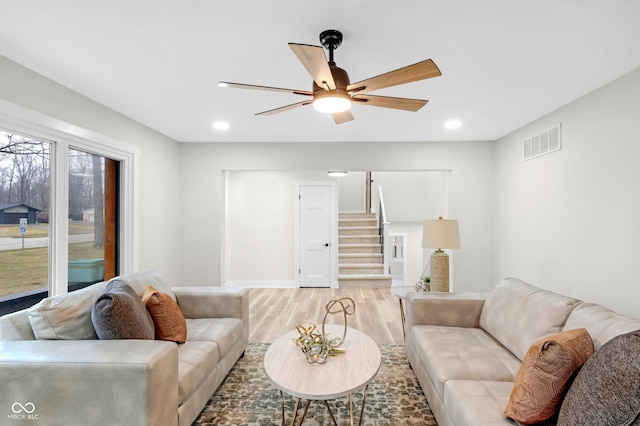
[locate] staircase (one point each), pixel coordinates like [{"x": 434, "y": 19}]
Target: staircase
[{"x": 360, "y": 261}]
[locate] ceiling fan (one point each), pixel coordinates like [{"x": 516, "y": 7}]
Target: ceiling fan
[{"x": 332, "y": 90}]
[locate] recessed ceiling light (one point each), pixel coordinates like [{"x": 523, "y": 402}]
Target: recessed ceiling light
[
  {"x": 337, "y": 173},
  {"x": 453, "y": 124},
  {"x": 220, "y": 125}
]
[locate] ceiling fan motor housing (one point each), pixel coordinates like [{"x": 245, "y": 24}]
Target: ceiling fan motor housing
[{"x": 340, "y": 78}]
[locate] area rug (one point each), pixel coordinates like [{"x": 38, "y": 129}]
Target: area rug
[{"x": 246, "y": 397}]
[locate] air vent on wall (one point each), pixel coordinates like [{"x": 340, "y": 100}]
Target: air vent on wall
[{"x": 543, "y": 143}]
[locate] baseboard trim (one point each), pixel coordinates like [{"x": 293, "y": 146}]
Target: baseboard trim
[{"x": 262, "y": 284}]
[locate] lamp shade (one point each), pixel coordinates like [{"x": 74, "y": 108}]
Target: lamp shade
[{"x": 440, "y": 234}]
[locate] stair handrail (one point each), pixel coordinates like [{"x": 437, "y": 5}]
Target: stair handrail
[{"x": 383, "y": 228}]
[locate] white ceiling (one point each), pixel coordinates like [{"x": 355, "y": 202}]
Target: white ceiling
[{"x": 504, "y": 62}]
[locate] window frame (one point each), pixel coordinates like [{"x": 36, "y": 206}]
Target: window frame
[{"x": 62, "y": 136}]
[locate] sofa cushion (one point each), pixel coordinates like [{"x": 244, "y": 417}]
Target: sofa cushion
[
  {"x": 454, "y": 353},
  {"x": 225, "y": 332},
  {"x": 67, "y": 316},
  {"x": 139, "y": 281},
  {"x": 166, "y": 314},
  {"x": 196, "y": 361},
  {"x": 542, "y": 379},
  {"x": 119, "y": 313},
  {"x": 602, "y": 323},
  {"x": 607, "y": 388},
  {"x": 473, "y": 402},
  {"x": 518, "y": 314}
]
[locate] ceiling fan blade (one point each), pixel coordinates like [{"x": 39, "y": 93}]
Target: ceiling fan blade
[
  {"x": 419, "y": 71},
  {"x": 255, "y": 87},
  {"x": 285, "y": 108},
  {"x": 405, "y": 104},
  {"x": 342, "y": 117},
  {"x": 313, "y": 59}
]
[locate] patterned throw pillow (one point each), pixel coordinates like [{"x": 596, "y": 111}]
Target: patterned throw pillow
[
  {"x": 606, "y": 391},
  {"x": 167, "y": 316},
  {"x": 119, "y": 313},
  {"x": 543, "y": 376}
]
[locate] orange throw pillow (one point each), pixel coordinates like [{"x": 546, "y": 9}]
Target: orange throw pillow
[
  {"x": 167, "y": 316},
  {"x": 543, "y": 376}
]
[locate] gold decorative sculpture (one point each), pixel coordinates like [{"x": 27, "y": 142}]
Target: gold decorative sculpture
[{"x": 318, "y": 346}]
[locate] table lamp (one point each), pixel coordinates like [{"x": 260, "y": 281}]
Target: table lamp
[{"x": 440, "y": 234}]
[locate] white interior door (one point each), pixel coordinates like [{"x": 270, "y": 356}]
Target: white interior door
[{"x": 316, "y": 250}]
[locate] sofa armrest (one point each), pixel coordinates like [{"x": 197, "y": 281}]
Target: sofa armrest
[
  {"x": 98, "y": 382},
  {"x": 213, "y": 302},
  {"x": 445, "y": 309}
]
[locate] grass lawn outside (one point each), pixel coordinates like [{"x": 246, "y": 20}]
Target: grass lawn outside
[
  {"x": 36, "y": 230},
  {"x": 28, "y": 269}
]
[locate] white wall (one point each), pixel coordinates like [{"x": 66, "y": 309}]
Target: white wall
[
  {"x": 470, "y": 195},
  {"x": 412, "y": 195},
  {"x": 160, "y": 218},
  {"x": 570, "y": 221},
  {"x": 351, "y": 191},
  {"x": 259, "y": 224}
]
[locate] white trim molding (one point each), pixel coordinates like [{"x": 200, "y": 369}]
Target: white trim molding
[{"x": 262, "y": 284}]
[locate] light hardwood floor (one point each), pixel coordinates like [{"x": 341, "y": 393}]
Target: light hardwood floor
[{"x": 273, "y": 312}]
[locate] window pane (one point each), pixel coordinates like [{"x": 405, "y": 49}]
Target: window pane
[
  {"x": 93, "y": 218},
  {"x": 24, "y": 217}
]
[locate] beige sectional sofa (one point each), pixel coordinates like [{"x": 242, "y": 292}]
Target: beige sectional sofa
[
  {"x": 54, "y": 370},
  {"x": 466, "y": 349}
]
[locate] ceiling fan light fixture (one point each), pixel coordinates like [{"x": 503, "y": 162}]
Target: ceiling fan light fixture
[{"x": 331, "y": 102}]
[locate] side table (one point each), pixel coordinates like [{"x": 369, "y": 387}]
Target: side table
[{"x": 401, "y": 293}]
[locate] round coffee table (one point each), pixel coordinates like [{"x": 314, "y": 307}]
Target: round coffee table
[{"x": 340, "y": 375}]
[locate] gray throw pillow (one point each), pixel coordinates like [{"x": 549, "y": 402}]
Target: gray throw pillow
[
  {"x": 118, "y": 313},
  {"x": 606, "y": 391}
]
